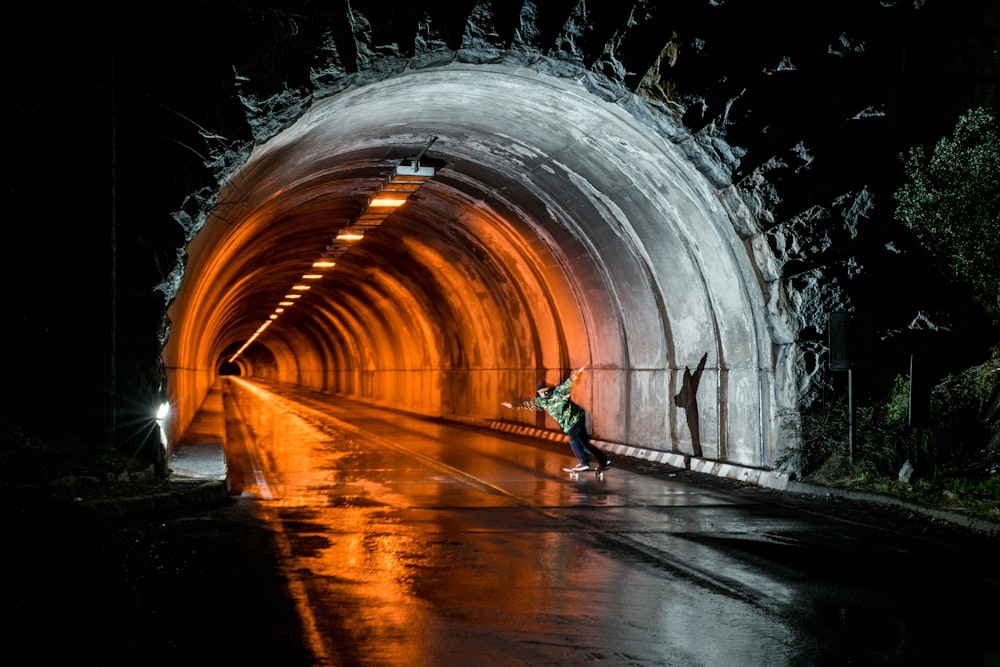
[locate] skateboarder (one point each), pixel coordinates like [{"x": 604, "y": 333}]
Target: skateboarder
[{"x": 570, "y": 417}]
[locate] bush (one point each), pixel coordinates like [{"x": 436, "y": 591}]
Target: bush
[
  {"x": 821, "y": 441},
  {"x": 951, "y": 201},
  {"x": 884, "y": 438},
  {"x": 958, "y": 452},
  {"x": 965, "y": 419}
]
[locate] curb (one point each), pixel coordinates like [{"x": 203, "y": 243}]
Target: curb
[
  {"x": 187, "y": 495},
  {"x": 768, "y": 479},
  {"x": 984, "y": 526}
]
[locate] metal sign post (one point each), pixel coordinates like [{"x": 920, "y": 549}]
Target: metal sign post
[{"x": 851, "y": 346}]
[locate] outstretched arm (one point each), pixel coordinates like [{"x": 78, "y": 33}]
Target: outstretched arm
[{"x": 522, "y": 405}]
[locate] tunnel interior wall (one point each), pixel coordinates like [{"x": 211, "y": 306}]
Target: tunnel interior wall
[{"x": 551, "y": 241}]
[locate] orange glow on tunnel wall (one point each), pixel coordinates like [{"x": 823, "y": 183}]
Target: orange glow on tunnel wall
[
  {"x": 406, "y": 180},
  {"x": 564, "y": 235}
]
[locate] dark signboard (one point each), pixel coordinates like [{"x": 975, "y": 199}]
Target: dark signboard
[{"x": 852, "y": 341}]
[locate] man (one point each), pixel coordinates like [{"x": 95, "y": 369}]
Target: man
[{"x": 571, "y": 418}]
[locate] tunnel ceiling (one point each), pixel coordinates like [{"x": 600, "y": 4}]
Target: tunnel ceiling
[
  {"x": 156, "y": 108},
  {"x": 611, "y": 190},
  {"x": 634, "y": 186},
  {"x": 557, "y": 231},
  {"x": 508, "y": 218}
]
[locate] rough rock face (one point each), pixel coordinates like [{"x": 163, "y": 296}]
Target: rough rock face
[
  {"x": 805, "y": 107},
  {"x": 805, "y": 121}
]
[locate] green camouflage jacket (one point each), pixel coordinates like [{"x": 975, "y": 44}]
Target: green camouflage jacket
[{"x": 558, "y": 404}]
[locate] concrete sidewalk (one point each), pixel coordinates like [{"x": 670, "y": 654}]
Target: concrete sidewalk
[{"x": 201, "y": 454}]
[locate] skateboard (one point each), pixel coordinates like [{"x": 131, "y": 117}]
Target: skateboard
[{"x": 575, "y": 474}]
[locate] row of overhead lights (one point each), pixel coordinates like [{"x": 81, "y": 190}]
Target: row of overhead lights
[{"x": 406, "y": 179}]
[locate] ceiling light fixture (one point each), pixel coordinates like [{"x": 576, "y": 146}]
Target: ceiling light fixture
[
  {"x": 350, "y": 235},
  {"x": 406, "y": 179}
]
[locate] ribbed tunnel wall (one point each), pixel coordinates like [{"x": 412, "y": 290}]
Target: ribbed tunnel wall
[{"x": 560, "y": 232}]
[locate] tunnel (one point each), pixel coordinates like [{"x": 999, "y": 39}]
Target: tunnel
[{"x": 554, "y": 228}]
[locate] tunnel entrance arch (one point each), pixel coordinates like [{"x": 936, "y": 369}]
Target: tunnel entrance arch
[{"x": 561, "y": 231}]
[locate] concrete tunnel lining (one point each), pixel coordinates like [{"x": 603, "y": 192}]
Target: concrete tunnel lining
[{"x": 561, "y": 232}]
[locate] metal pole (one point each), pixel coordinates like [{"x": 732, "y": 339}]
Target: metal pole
[
  {"x": 850, "y": 416},
  {"x": 111, "y": 399},
  {"x": 415, "y": 161}
]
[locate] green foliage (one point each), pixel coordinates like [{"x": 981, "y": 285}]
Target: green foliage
[
  {"x": 956, "y": 458},
  {"x": 951, "y": 202},
  {"x": 965, "y": 407},
  {"x": 986, "y": 488},
  {"x": 884, "y": 438}
]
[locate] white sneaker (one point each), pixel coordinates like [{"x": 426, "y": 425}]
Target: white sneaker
[{"x": 581, "y": 467}]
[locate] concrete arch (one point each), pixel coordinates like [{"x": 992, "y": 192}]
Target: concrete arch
[{"x": 561, "y": 232}]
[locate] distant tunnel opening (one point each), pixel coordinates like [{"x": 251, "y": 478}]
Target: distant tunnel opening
[
  {"x": 229, "y": 368},
  {"x": 560, "y": 232}
]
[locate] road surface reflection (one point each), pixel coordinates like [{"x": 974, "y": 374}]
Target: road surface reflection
[{"x": 414, "y": 542}]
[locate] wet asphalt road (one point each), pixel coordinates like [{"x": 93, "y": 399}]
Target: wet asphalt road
[
  {"x": 414, "y": 542},
  {"x": 365, "y": 537}
]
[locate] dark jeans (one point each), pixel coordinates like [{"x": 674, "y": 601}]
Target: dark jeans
[{"x": 579, "y": 442}]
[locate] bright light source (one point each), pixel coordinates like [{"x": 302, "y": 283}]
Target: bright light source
[
  {"x": 414, "y": 170},
  {"x": 286, "y": 303},
  {"x": 161, "y": 414},
  {"x": 348, "y": 235},
  {"x": 386, "y": 201},
  {"x": 324, "y": 264},
  {"x": 293, "y": 296},
  {"x": 312, "y": 276},
  {"x": 279, "y": 310},
  {"x": 301, "y": 288}
]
